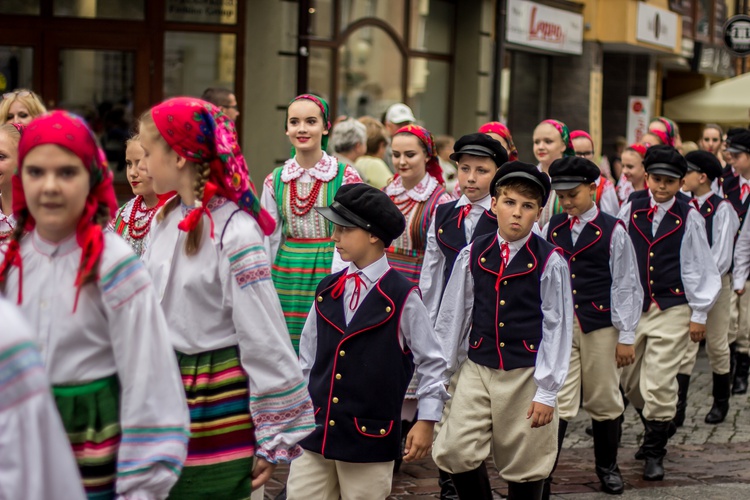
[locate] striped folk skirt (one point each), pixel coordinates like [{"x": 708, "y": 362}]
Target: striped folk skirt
[
  {"x": 407, "y": 262},
  {"x": 91, "y": 416},
  {"x": 222, "y": 444},
  {"x": 299, "y": 266}
]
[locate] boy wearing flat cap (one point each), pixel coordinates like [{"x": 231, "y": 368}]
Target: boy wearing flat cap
[
  {"x": 607, "y": 298},
  {"x": 680, "y": 284},
  {"x": 722, "y": 224},
  {"x": 737, "y": 190},
  {"x": 510, "y": 295},
  {"x": 366, "y": 332}
]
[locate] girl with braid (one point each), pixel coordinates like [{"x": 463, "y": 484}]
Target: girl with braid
[
  {"x": 249, "y": 404},
  {"x": 93, "y": 308},
  {"x": 300, "y": 248}
]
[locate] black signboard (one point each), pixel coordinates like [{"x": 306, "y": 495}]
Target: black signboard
[{"x": 737, "y": 35}]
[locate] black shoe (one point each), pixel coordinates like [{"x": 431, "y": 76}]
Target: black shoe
[
  {"x": 739, "y": 386},
  {"x": 605, "y": 455},
  {"x": 589, "y": 431},
  {"x": 683, "y": 383},
  {"x": 474, "y": 484},
  {"x": 653, "y": 469},
  {"x": 654, "y": 448},
  {"x": 447, "y": 489},
  {"x": 720, "y": 408},
  {"x": 531, "y": 490}
]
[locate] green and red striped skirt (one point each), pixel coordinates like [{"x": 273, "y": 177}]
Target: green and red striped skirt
[
  {"x": 299, "y": 266},
  {"x": 406, "y": 261}
]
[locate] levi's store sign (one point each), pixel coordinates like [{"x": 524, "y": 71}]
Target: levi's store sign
[{"x": 542, "y": 27}]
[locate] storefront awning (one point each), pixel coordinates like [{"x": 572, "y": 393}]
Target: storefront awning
[{"x": 726, "y": 102}]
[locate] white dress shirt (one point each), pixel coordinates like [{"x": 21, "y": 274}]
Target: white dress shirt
[
  {"x": 626, "y": 292},
  {"x": 36, "y": 460},
  {"x": 118, "y": 329},
  {"x": 741, "y": 268},
  {"x": 700, "y": 276},
  {"x": 553, "y": 357},
  {"x": 415, "y": 330},
  {"x": 725, "y": 227},
  {"x": 608, "y": 202},
  {"x": 431, "y": 278},
  {"x": 223, "y": 296}
]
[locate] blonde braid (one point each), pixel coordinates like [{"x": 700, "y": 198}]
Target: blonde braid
[{"x": 202, "y": 174}]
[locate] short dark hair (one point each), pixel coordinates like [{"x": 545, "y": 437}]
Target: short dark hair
[
  {"x": 218, "y": 96},
  {"x": 522, "y": 186}
]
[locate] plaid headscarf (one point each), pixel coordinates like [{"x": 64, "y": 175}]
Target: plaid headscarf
[
  {"x": 70, "y": 132},
  {"x": 324, "y": 110},
  {"x": 501, "y": 130},
  {"x": 199, "y": 132},
  {"x": 564, "y": 134},
  {"x": 425, "y": 137}
]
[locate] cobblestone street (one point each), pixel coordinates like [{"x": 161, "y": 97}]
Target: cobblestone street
[{"x": 703, "y": 461}]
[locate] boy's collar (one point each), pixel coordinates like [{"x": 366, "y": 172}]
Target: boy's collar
[
  {"x": 485, "y": 202},
  {"x": 517, "y": 244},
  {"x": 374, "y": 271}
]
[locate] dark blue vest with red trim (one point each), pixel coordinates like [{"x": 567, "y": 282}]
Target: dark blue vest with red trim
[
  {"x": 451, "y": 237},
  {"x": 588, "y": 259},
  {"x": 659, "y": 255},
  {"x": 507, "y": 323},
  {"x": 708, "y": 210},
  {"x": 643, "y": 193},
  {"x": 360, "y": 375},
  {"x": 733, "y": 193}
]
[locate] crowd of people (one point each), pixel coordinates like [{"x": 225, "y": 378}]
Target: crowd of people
[{"x": 388, "y": 297}]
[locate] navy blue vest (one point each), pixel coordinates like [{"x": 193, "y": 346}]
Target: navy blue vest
[
  {"x": 733, "y": 193},
  {"x": 507, "y": 324},
  {"x": 588, "y": 260},
  {"x": 708, "y": 210},
  {"x": 451, "y": 237},
  {"x": 361, "y": 373},
  {"x": 659, "y": 255},
  {"x": 643, "y": 193}
]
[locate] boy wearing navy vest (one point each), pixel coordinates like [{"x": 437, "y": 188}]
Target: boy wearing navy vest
[
  {"x": 456, "y": 224},
  {"x": 365, "y": 333},
  {"x": 737, "y": 190},
  {"x": 721, "y": 228},
  {"x": 680, "y": 285},
  {"x": 510, "y": 295},
  {"x": 607, "y": 297}
]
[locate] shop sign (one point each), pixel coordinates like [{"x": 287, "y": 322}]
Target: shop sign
[
  {"x": 712, "y": 60},
  {"x": 638, "y": 118},
  {"x": 737, "y": 35},
  {"x": 535, "y": 25},
  {"x": 656, "y": 26},
  {"x": 202, "y": 11}
]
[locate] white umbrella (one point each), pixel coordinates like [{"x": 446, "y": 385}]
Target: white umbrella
[{"x": 725, "y": 102}]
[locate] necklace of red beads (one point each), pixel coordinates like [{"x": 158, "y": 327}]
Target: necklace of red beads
[
  {"x": 301, "y": 205},
  {"x": 140, "y": 218}
]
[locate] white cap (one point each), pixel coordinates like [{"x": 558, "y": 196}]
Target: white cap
[{"x": 399, "y": 113}]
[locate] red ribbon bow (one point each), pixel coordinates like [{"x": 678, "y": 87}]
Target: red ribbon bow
[
  {"x": 338, "y": 289},
  {"x": 463, "y": 213},
  {"x": 744, "y": 191},
  {"x": 694, "y": 201},
  {"x": 573, "y": 221},
  {"x": 504, "y": 255},
  {"x": 13, "y": 258},
  {"x": 191, "y": 221},
  {"x": 651, "y": 212}
]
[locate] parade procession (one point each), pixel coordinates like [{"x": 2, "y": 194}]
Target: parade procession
[{"x": 390, "y": 282}]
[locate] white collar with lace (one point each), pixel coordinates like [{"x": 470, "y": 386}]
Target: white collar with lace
[
  {"x": 325, "y": 170},
  {"x": 421, "y": 192}
]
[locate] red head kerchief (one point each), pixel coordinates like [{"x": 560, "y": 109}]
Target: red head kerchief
[
  {"x": 581, "y": 133},
  {"x": 71, "y": 132},
  {"x": 425, "y": 137},
  {"x": 199, "y": 132},
  {"x": 638, "y": 148},
  {"x": 503, "y": 131}
]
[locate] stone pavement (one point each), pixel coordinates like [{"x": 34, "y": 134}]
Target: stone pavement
[{"x": 703, "y": 461}]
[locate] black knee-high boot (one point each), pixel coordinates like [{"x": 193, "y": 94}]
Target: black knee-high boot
[
  {"x": 561, "y": 430},
  {"x": 606, "y": 438},
  {"x": 447, "y": 489},
  {"x": 474, "y": 484},
  {"x": 531, "y": 490},
  {"x": 720, "y": 407},
  {"x": 683, "y": 384}
]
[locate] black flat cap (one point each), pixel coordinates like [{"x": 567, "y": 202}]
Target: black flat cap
[
  {"x": 665, "y": 160},
  {"x": 519, "y": 170},
  {"x": 571, "y": 171},
  {"x": 480, "y": 145},
  {"x": 739, "y": 142},
  {"x": 705, "y": 163},
  {"x": 366, "y": 207}
]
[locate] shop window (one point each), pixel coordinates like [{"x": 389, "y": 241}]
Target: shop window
[
  {"x": 370, "y": 73},
  {"x": 390, "y": 11},
  {"x": 16, "y": 66},
  {"x": 101, "y": 9},
  {"x": 202, "y": 11},
  {"x": 321, "y": 18},
  {"x": 432, "y": 25},
  {"x": 20, "y": 7},
  {"x": 195, "y": 61},
  {"x": 319, "y": 80},
  {"x": 428, "y": 92}
]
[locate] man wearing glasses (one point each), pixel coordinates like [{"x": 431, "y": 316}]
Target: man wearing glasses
[{"x": 224, "y": 99}]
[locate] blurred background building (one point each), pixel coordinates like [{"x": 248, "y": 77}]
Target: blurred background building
[{"x": 458, "y": 64}]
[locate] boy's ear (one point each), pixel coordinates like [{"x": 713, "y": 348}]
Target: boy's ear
[
  {"x": 682, "y": 181},
  {"x": 539, "y": 213},
  {"x": 493, "y": 205},
  {"x": 373, "y": 239}
]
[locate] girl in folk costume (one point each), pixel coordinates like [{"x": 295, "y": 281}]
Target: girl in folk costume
[
  {"x": 551, "y": 142},
  {"x": 605, "y": 196},
  {"x": 417, "y": 190},
  {"x": 102, "y": 335},
  {"x": 133, "y": 220},
  {"x": 248, "y": 402},
  {"x": 633, "y": 172},
  {"x": 10, "y": 135},
  {"x": 300, "y": 248}
]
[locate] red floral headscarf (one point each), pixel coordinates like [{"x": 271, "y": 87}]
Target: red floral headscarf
[
  {"x": 199, "y": 132},
  {"x": 425, "y": 137},
  {"x": 503, "y": 131},
  {"x": 71, "y": 132},
  {"x": 564, "y": 134},
  {"x": 668, "y": 136}
]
